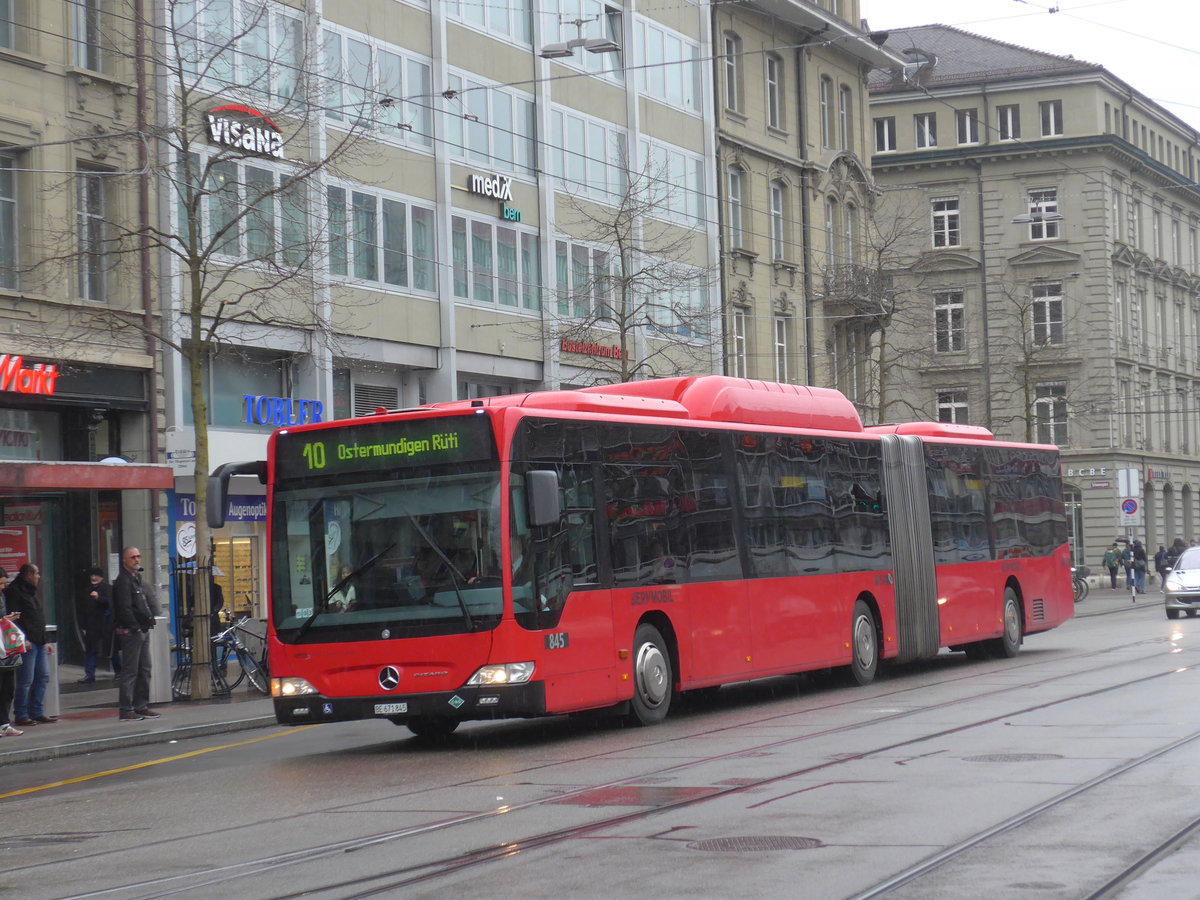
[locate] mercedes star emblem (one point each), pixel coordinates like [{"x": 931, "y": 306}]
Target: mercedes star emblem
[{"x": 389, "y": 678}]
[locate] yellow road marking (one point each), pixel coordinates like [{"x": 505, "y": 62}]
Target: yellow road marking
[{"x": 153, "y": 762}]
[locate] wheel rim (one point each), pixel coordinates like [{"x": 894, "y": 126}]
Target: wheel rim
[
  {"x": 653, "y": 680},
  {"x": 1012, "y": 621},
  {"x": 864, "y": 641}
]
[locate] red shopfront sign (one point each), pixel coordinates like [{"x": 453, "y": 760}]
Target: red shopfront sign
[
  {"x": 586, "y": 349},
  {"x": 40, "y": 378}
]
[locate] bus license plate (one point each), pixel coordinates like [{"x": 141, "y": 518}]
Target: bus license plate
[{"x": 390, "y": 709}]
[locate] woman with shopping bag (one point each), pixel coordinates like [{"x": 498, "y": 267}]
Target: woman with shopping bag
[{"x": 12, "y": 648}]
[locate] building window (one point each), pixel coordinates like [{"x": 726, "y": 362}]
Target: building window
[
  {"x": 239, "y": 372},
  {"x": 740, "y": 356},
  {"x": 885, "y": 134},
  {"x": 7, "y": 25},
  {"x": 490, "y": 126},
  {"x": 670, "y": 72},
  {"x": 946, "y": 224},
  {"x": 826, "y": 98},
  {"x": 366, "y": 72},
  {"x": 733, "y": 72},
  {"x": 949, "y": 318},
  {"x": 781, "y": 349},
  {"x": 844, "y": 116},
  {"x": 495, "y": 264},
  {"x": 676, "y": 190},
  {"x": 85, "y": 33},
  {"x": 90, "y": 222},
  {"x": 778, "y": 196},
  {"x": 737, "y": 233},
  {"x": 925, "y": 125},
  {"x": 1047, "y": 314},
  {"x": 967, "y": 122},
  {"x": 831, "y": 225},
  {"x": 1050, "y": 414},
  {"x": 584, "y": 278},
  {"x": 381, "y": 239},
  {"x": 1043, "y": 213},
  {"x": 952, "y": 406},
  {"x": 589, "y": 155},
  {"x": 599, "y": 21},
  {"x": 8, "y": 224},
  {"x": 851, "y": 233},
  {"x": 245, "y": 43},
  {"x": 1052, "y": 117},
  {"x": 1008, "y": 122},
  {"x": 774, "y": 91},
  {"x": 510, "y": 19}
]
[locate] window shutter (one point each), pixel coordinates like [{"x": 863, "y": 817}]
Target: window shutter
[{"x": 370, "y": 397}]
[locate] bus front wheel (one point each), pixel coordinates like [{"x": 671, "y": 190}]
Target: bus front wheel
[
  {"x": 864, "y": 644},
  {"x": 653, "y": 683}
]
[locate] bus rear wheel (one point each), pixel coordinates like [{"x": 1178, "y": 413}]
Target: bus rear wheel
[
  {"x": 653, "y": 683},
  {"x": 864, "y": 644},
  {"x": 1008, "y": 644}
]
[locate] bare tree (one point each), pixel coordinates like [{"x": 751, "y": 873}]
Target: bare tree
[
  {"x": 634, "y": 302},
  {"x": 878, "y": 323},
  {"x": 245, "y": 133}
]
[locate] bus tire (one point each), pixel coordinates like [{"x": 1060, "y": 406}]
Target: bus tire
[
  {"x": 431, "y": 728},
  {"x": 1008, "y": 644},
  {"x": 864, "y": 644},
  {"x": 653, "y": 681}
]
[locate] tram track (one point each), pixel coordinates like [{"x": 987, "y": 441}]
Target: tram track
[{"x": 431, "y": 870}]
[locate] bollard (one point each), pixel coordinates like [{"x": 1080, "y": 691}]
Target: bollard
[
  {"x": 160, "y": 660},
  {"x": 50, "y": 703}
]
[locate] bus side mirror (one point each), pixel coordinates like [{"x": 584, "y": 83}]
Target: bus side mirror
[
  {"x": 218, "y": 487},
  {"x": 541, "y": 490}
]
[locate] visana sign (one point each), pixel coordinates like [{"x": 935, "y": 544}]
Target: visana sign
[
  {"x": 234, "y": 125},
  {"x": 36, "y": 379},
  {"x": 498, "y": 186}
]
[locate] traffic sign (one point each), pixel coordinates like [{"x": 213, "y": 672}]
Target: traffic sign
[{"x": 1129, "y": 507}]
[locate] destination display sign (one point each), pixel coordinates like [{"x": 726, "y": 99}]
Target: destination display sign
[{"x": 380, "y": 446}]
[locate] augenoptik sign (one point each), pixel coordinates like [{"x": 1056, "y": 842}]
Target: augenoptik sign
[{"x": 235, "y": 125}]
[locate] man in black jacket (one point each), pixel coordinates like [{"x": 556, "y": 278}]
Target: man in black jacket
[
  {"x": 96, "y": 622},
  {"x": 134, "y": 609},
  {"x": 33, "y": 676}
]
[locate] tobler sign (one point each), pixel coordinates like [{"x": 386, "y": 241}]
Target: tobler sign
[
  {"x": 234, "y": 125},
  {"x": 40, "y": 378}
]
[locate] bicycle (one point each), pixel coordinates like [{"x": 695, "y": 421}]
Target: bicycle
[
  {"x": 229, "y": 643},
  {"x": 225, "y": 644},
  {"x": 1079, "y": 576}
]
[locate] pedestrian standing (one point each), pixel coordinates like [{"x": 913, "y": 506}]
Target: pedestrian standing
[
  {"x": 9, "y": 666},
  {"x": 96, "y": 622},
  {"x": 1112, "y": 562},
  {"x": 1140, "y": 564},
  {"x": 23, "y": 595},
  {"x": 134, "y": 609},
  {"x": 1127, "y": 561}
]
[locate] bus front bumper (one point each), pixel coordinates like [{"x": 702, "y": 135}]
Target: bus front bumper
[{"x": 506, "y": 702}]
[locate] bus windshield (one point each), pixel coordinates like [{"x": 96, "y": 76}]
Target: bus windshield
[{"x": 409, "y": 556}]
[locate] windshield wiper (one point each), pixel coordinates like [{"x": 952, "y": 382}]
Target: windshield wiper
[
  {"x": 323, "y": 605},
  {"x": 455, "y": 575}
]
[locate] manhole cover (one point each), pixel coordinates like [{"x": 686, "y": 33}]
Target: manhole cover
[
  {"x": 752, "y": 843},
  {"x": 1012, "y": 757}
]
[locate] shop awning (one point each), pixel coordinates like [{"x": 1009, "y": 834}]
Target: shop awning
[{"x": 44, "y": 476}]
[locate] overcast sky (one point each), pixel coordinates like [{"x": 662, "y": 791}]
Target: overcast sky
[{"x": 1154, "y": 45}]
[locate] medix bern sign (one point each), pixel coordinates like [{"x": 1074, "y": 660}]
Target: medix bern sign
[
  {"x": 37, "y": 379},
  {"x": 498, "y": 186},
  {"x": 234, "y": 125}
]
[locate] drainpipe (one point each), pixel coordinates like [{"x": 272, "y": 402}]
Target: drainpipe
[{"x": 805, "y": 217}]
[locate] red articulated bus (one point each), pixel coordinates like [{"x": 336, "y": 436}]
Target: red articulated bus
[{"x": 560, "y": 551}]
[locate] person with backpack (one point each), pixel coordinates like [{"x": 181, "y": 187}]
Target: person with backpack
[
  {"x": 1112, "y": 562},
  {"x": 1161, "y": 566}
]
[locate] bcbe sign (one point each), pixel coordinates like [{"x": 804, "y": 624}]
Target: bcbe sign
[{"x": 280, "y": 411}]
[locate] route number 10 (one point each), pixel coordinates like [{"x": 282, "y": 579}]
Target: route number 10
[{"x": 314, "y": 455}]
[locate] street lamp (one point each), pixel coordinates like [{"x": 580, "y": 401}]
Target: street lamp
[{"x": 560, "y": 49}]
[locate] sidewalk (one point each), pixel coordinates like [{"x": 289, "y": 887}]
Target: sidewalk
[{"x": 88, "y": 720}]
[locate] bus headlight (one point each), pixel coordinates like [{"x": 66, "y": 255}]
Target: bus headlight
[
  {"x": 506, "y": 673},
  {"x": 290, "y": 687}
]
